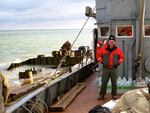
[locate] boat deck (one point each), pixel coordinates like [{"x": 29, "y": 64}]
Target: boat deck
[{"x": 87, "y": 98}]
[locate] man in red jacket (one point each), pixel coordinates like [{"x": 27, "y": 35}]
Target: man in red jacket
[{"x": 110, "y": 56}]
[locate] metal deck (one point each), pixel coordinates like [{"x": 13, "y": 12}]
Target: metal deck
[{"x": 87, "y": 98}]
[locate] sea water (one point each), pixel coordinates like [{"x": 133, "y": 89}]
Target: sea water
[{"x": 19, "y": 45}]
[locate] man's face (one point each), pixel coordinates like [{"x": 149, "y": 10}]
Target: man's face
[{"x": 111, "y": 43}]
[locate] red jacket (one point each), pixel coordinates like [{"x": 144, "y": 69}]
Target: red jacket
[{"x": 109, "y": 59}]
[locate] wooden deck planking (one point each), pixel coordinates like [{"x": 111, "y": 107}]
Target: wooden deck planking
[{"x": 87, "y": 98}]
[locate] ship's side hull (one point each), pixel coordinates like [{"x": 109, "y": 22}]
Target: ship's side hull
[{"x": 55, "y": 89}]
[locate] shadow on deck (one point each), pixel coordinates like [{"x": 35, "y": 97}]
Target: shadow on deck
[{"x": 87, "y": 98}]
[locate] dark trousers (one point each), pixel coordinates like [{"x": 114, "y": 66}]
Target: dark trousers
[{"x": 106, "y": 74}]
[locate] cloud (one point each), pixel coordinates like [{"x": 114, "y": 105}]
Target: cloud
[
  {"x": 19, "y": 5},
  {"x": 21, "y": 13}
]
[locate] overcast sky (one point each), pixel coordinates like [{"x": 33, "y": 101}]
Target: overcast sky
[{"x": 44, "y": 14}]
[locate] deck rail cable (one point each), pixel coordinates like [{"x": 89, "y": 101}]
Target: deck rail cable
[
  {"x": 61, "y": 62},
  {"x": 24, "y": 107}
]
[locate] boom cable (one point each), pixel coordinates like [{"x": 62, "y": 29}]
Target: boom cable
[{"x": 80, "y": 32}]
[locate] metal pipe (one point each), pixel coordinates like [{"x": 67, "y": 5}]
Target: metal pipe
[
  {"x": 95, "y": 38},
  {"x": 140, "y": 41},
  {"x": 141, "y": 25},
  {"x": 123, "y": 47}
]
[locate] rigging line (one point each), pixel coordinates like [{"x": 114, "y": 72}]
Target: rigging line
[
  {"x": 81, "y": 29},
  {"x": 61, "y": 62},
  {"x": 80, "y": 32}
]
